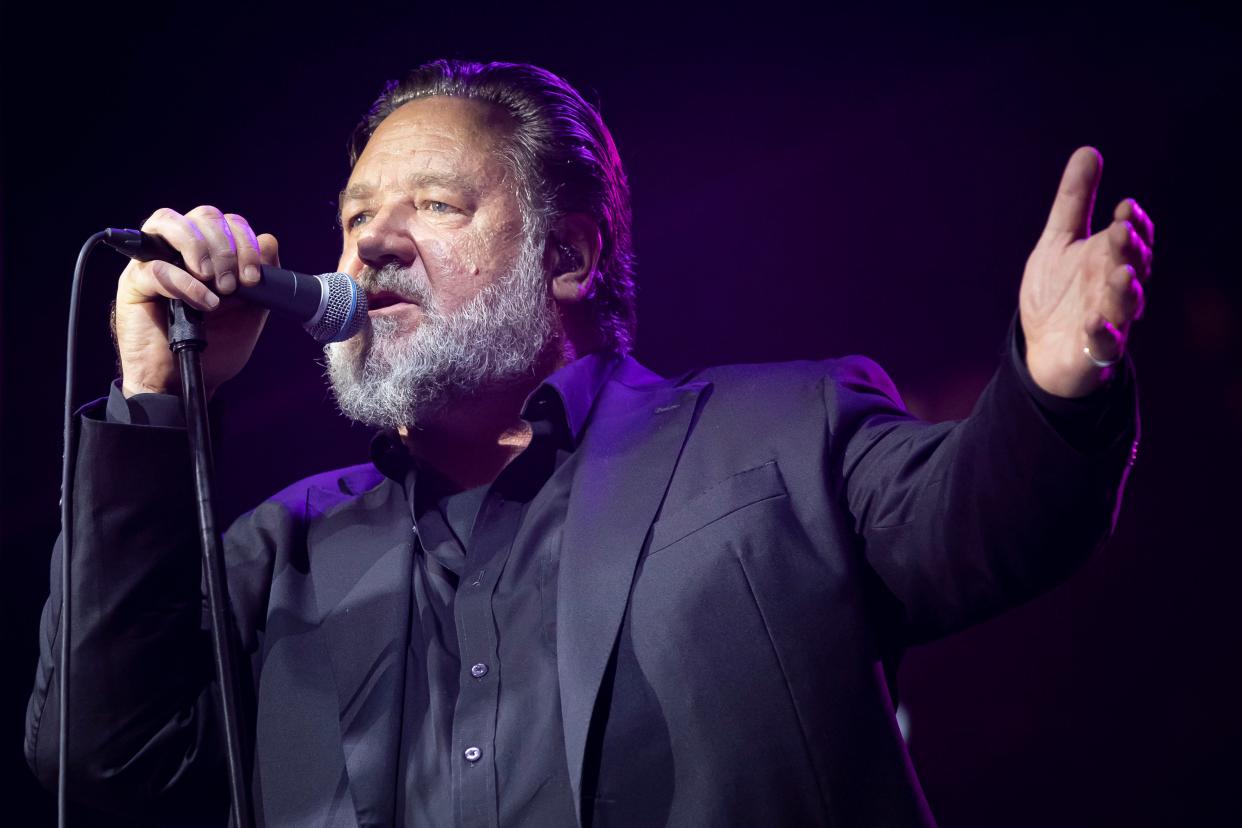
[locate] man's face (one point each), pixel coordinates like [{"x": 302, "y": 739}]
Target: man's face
[{"x": 434, "y": 234}]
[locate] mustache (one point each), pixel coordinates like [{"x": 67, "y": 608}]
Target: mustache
[{"x": 393, "y": 278}]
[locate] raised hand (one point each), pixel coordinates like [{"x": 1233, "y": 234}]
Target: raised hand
[
  {"x": 218, "y": 249},
  {"x": 1081, "y": 293}
]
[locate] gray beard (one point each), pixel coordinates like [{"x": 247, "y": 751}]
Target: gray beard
[{"x": 387, "y": 378}]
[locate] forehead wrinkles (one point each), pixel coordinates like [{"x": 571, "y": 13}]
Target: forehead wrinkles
[{"x": 435, "y": 134}]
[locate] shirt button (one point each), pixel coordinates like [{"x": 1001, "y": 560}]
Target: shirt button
[
  {"x": 472, "y": 754},
  {"x": 478, "y": 670}
]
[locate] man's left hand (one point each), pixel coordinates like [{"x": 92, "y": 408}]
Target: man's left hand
[{"x": 1081, "y": 293}]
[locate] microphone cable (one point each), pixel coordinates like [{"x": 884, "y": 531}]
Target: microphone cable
[{"x": 68, "y": 461}]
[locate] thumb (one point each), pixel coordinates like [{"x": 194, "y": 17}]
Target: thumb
[
  {"x": 1071, "y": 210},
  {"x": 269, "y": 250}
]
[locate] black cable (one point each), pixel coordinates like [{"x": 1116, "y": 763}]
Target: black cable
[
  {"x": 66, "y": 524},
  {"x": 187, "y": 338}
]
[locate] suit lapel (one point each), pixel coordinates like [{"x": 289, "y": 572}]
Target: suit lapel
[
  {"x": 630, "y": 449},
  {"x": 361, "y": 572}
]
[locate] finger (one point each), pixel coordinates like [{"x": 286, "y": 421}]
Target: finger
[
  {"x": 269, "y": 250},
  {"x": 1131, "y": 211},
  {"x": 163, "y": 279},
  {"x": 1126, "y": 248},
  {"x": 220, "y": 243},
  {"x": 185, "y": 237},
  {"x": 248, "y": 255},
  {"x": 1071, "y": 209},
  {"x": 1105, "y": 341},
  {"x": 1123, "y": 297}
]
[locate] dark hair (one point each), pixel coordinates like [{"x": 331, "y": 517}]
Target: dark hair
[{"x": 562, "y": 157}]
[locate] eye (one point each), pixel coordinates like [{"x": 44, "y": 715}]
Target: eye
[
  {"x": 438, "y": 207},
  {"x": 355, "y": 220}
]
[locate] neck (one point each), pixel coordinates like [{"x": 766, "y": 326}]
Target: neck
[{"x": 471, "y": 441}]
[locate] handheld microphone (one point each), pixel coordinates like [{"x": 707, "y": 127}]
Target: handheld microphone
[{"x": 330, "y": 307}]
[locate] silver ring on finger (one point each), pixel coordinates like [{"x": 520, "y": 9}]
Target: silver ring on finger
[{"x": 1100, "y": 363}]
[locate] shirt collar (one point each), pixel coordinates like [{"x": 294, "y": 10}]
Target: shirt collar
[{"x": 576, "y": 386}]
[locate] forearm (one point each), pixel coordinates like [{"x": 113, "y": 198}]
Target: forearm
[
  {"x": 962, "y": 520},
  {"x": 140, "y": 662}
]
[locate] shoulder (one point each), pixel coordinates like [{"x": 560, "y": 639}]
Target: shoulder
[
  {"x": 780, "y": 409},
  {"x": 846, "y": 382},
  {"x": 326, "y": 492},
  {"x": 849, "y": 370}
]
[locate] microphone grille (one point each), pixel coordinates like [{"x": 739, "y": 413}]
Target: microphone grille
[{"x": 344, "y": 313}]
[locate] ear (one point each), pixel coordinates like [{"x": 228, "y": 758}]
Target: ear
[{"x": 570, "y": 257}]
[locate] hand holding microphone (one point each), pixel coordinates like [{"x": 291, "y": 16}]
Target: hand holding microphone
[{"x": 177, "y": 257}]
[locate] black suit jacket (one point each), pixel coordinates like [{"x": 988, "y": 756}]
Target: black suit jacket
[{"x": 746, "y": 551}]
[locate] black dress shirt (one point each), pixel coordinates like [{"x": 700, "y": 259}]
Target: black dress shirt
[{"x": 481, "y": 741}]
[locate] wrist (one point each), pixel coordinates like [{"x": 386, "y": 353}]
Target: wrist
[
  {"x": 1066, "y": 373},
  {"x": 148, "y": 385}
]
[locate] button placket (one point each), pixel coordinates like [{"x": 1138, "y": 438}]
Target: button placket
[{"x": 474, "y": 718}]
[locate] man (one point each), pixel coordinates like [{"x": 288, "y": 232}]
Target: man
[{"x": 567, "y": 591}]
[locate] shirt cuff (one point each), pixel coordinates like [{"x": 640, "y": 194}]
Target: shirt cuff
[
  {"x": 1087, "y": 423},
  {"x": 163, "y": 410}
]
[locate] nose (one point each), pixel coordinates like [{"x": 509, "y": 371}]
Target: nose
[{"x": 386, "y": 239}]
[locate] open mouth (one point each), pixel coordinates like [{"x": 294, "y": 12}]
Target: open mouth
[{"x": 386, "y": 299}]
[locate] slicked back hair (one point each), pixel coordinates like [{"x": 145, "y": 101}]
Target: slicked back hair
[{"x": 562, "y": 157}]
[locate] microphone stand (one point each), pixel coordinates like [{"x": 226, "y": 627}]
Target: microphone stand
[{"x": 187, "y": 338}]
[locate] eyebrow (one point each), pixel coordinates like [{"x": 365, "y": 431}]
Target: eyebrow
[{"x": 360, "y": 191}]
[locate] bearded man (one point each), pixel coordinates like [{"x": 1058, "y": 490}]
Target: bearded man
[{"x": 566, "y": 591}]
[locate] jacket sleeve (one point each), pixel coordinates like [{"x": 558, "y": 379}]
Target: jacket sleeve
[
  {"x": 143, "y": 715},
  {"x": 961, "y": 520}
]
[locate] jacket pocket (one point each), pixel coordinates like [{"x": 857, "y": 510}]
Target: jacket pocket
[{"x": 721, "y": 500}]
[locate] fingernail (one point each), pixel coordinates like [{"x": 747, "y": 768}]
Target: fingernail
[
  {"x": 206, "y": 269},
  {"x": 227, "y": 282},
  {"x": 212, "y": 300},
  {"x": 251, "y": 275}
]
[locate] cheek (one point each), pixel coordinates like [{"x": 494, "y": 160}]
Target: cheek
[
  {"x": 454, "y": 271},
  {"x": 448, "y": 257},
  {"x": 492, "y": 245}
]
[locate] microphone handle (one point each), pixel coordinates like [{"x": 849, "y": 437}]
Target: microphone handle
[
  {"x": 283, "y": 290},
  {"x": 304, "y": 297}
]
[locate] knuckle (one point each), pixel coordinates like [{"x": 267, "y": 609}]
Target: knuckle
[
  {"x": 160, "y": 216},
  {"x": 222, "y": 247},
  {"x": 206, "y": 211},
  {"x": 227, "y": 237},
  {"x": 1127, "y": 239},
  {"x": 241, "y": 230}
]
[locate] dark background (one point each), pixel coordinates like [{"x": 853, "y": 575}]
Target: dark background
[{"x": 804, "y": 185}]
